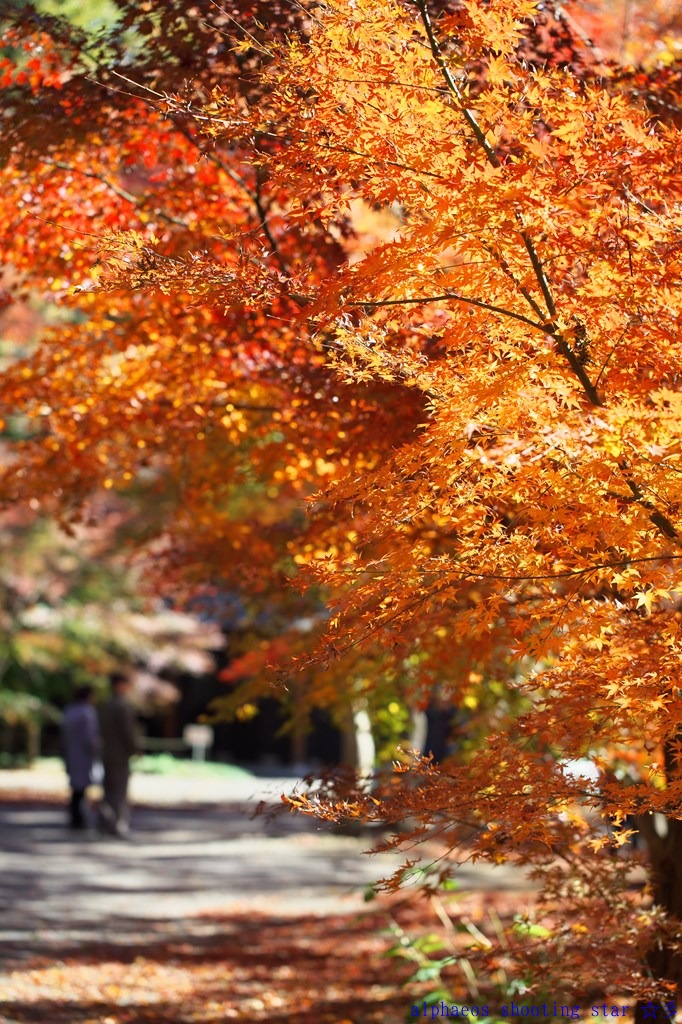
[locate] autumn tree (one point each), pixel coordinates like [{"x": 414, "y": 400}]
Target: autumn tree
[
  {"x": 484, "y": 390},
  {"x": 225, "y": 419},
  {"x": 528, "y": 297}
]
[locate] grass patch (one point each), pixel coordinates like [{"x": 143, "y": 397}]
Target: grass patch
[
  {"x": 166, "y": 764},
  {"x": 160, "y": 764}
]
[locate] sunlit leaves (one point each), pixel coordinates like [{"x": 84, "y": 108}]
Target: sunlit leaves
[{"x": 399, "y": 269}]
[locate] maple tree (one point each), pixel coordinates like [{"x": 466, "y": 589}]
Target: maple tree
[
  {"x": 482, "y": 388},
  {"x": 230, "y": 422}
]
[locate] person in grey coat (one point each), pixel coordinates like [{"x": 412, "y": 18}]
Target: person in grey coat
[
  {"x": 80, "y": 736},
  {"x": 119, "y": 743}
]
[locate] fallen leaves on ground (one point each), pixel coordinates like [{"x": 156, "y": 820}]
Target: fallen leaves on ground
[{"x": 238, "y": 967}]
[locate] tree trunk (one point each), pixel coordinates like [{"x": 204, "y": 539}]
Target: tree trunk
[
  {"x": 358, "y": 751},
  {"x": 664, "y": 841},
  {"x": 358, "y": 748},
  {"x": 299, "y": 731},
  {"x": 32, "y": 741}
]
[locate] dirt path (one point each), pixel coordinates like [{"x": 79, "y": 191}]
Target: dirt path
[
  {"x": 55, "y": 888},
  {"x": 204, "y": 899}
]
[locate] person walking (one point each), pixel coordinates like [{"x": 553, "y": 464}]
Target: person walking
[
  {"x": 119, "y": 743},
  {"x": 80, "y": 735}
]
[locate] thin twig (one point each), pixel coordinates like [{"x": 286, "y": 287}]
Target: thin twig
[
  {"x": 562, "y": 345},
  {"x": 457, "y": 298}
]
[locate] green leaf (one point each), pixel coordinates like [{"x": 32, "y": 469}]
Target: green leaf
[{"x": 536, "y": 931}]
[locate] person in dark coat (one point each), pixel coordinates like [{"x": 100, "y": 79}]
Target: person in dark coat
[
  {"x": 119, "y": 743},
  {"x": 80, "y": 736}
]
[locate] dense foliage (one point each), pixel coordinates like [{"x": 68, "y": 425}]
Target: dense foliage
[{"x": 420, "y": 261}]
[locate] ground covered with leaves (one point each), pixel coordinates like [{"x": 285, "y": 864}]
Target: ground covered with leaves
[{"x": 371, "y": 967}]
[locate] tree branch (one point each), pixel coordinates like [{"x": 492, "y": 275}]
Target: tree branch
[
  {"x": 656, "y": 517},
  {"x": 494, "y": 161},
  {"x": 255, "y": 197},
  {"x": 503, "y": 264},
  {"x": 458, "y": 298},
  {"x": 137, "y": 201}
]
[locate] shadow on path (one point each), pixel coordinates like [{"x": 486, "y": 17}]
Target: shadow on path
[
  {"x": 178, "y": 863},
  {"x": 310, "y": 969},
  {"x": 205, "y": 915}
]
